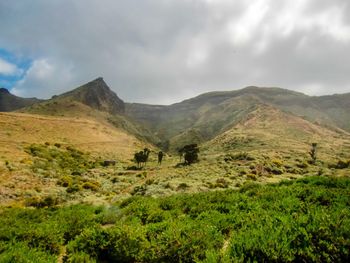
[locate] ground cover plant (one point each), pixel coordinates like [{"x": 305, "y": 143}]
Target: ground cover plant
[{"x": 305, "y": 220}]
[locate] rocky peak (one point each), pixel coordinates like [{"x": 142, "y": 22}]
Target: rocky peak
[{"x": 98, "y": 95}]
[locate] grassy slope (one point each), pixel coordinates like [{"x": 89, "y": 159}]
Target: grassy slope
[
  {"x": 17, "y": 178},
  {"x": 66, "y": 106},
  {"x": 272, "y": 129}
]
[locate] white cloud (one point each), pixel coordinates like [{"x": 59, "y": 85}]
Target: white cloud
[
  {"x": 9, "y": 69},
  {"x": 158, "y": 51},
  {"x": 43, "y": 77},
  {"x": 242, "y": 30}
]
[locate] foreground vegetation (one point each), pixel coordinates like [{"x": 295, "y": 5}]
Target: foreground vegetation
[{"x": 301, "y": 220}]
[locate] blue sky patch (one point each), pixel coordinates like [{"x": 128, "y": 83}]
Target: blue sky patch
[{"x": 8, "y": 81}]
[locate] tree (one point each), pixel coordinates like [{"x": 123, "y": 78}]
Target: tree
[
  {"x": 160, "y": 157},
  {"x": 190, "y": 153},
  {"x": 313, "y": 152},
  {"x": 141, "y": 157}
]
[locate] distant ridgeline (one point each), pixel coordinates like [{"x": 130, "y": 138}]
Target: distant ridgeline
[{"x": 195, "y": 120}]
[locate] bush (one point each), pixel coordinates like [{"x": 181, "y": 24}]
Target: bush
[
  {"x": 40, "y": 202},
  {"x": 302, "y": 164},
  {"x": 341, "y": 164},
  {"x": 73, "y": 188},
  {"x": 65, "y": 181},
  {"x": 304, "y": 220},
  {"x": 242, "y": 156},
  {"x": 93, "y": 186}
]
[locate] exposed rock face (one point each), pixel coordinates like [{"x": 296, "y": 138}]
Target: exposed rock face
[{"x": 97, "y": 95}]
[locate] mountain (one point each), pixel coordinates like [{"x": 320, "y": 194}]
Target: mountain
[
  {"x": 213, "y": 113},
  {"x": 97, "y": 95},
  {"x": 198, "y": 119},
  {"x": 10, "y": 102},
  {"x": 93, "y": 101}
]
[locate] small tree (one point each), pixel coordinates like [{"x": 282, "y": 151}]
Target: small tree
[
  {"x": 141, "y": 157},
  {"x": 313, "y": 152},
  {"x": 190, "y": 153}
]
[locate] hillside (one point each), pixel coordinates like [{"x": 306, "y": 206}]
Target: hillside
[
  {"x": 94, "y": 101},
  {"x": 269, "y": 129},
  {"x": 243, "y": 136},
  {"x": 19, "y": 130},
  {"x": 10, "y": 102},
  {"x": 66, "y": 144},
  {"x": 212, "y": 113}
]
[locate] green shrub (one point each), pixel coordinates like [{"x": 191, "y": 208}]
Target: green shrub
[
  {"x": 252, "y": 177},
  {"x": 21, "y": 252},
  {"x": 302, "y": 164},
  {"x": 93, "y": 186},
  {"x": 40, "y": 202},
  {"x": 65, "y": 181},
  {"x": 304, "y": 220},
  {"x": 276, "y": 171},
  {"x": 73, "y": 188},
  {"x": 53, "y": 161},
  {"x": 243, "y": 156}
]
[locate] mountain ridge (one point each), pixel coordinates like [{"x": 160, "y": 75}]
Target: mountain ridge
[{"x": 201, "y": 118}]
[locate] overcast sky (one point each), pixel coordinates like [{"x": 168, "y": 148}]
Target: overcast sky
[{"x": 163, "y": 51}]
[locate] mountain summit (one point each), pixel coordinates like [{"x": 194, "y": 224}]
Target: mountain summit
[{"x": 97, "y": 95}]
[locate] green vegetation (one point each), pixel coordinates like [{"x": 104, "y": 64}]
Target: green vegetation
[
  {"x": 56, "y": 160},
  {"x": 305, "y": 220},
  {"x": 190, "y": 153}
]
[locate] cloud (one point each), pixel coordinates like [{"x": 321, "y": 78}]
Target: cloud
[
  {"x": 42, "y": 78},
  {"x": 9, "y": 69},
  {"x": 162, "y": 51}
]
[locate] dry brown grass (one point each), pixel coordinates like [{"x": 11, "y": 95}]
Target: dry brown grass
[{"x": 19, "y": 130}]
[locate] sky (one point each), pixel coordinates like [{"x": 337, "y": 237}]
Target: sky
[{"x": 164, "y": 51}]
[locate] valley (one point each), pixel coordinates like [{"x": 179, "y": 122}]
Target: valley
[{"x": 76, "y": 151}]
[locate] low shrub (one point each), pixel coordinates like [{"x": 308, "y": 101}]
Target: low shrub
[
  {"x": 93, "y": 186},
  {"x": 341, "y": 164},
  {"x": 304, "y": 220},
  {"x": 182, "y": 186}
]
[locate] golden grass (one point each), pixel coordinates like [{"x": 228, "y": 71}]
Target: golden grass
[{"x": 19, "y": 130}]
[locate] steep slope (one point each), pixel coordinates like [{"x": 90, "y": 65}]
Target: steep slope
[
  {"x": 269, "y": 129},
  {"x": 10, "y": 102},
  {"x": 97, "y": 95}
]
